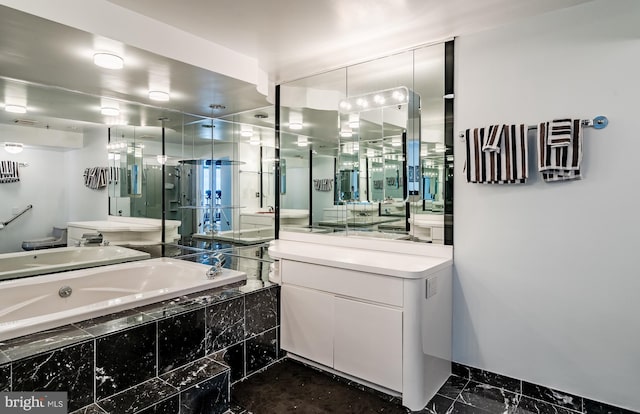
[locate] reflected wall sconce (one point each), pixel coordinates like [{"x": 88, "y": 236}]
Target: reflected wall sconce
[
  {"x": 375, "y": 100},
  {"x": 108, "y": 60},
  {"x": 158, "y": 96},
  {"x": 16, "y": 109},
  {"x": 109, "y": 111},
  {"x": 13, "y": 147}
]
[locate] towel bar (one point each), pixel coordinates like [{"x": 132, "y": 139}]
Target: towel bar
[{"x": 598, "y": 122}]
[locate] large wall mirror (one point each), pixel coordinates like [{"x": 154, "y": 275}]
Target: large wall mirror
[{"x": 370, "y": 142}]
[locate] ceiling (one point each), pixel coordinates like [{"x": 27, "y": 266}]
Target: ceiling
[{"x": 48, "y": 66}]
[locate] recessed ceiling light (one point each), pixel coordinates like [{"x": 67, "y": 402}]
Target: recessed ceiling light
[
  {"x": 16, "y": 109},
  {"x": 158, "y": 96},
  {"x": 13, "y": 147},
  {"x": 109, "y": 111},
  {"x": 108, "y": 60}
]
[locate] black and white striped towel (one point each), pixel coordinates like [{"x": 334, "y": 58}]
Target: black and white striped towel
[
  {"x": 9, "y": 172},
  {"x": 497, "y": 154},
  {"x": 96, "y": 177},
  {"x": 560, "y": 133},
  {"x": 560, "y": 163}
]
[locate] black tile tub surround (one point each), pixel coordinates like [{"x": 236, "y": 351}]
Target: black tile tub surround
[
  {"x": 169, "y": 406},
  {"x": 233, "y": 357},
  {"x": 67, "y": 369},
  {"x": 262, "y": 350},
  {"x": 262, "y": 310},
  {"x": 5, "y": 378},
  {"x": 141, "y": 397},
  {"x": 225, "y": 324},
  {"x": 180, "y": 340},
  {"x": 125, "y": 359}
]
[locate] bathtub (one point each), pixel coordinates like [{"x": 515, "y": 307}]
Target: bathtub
[
  {"x": 39, "y": 262},
  {"x": 34, "y": 304}
]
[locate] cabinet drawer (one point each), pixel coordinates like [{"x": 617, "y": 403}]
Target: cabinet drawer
[{"x": 361, "y": 285}]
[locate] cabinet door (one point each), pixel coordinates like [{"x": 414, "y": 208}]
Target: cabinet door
[
  {"x": 307, "y": 323},
  {"x": 368, "y": 342}
]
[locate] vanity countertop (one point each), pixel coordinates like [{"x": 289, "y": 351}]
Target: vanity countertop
[{"x": 407, "y": 266}]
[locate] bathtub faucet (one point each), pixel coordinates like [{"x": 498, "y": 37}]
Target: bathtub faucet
[{"x": 217, "y": 259}]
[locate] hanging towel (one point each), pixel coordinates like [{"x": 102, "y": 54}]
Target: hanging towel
[
  {"x": 560, "y": 163},
  {"x": 559, "y": 133},
  {"x": 9, "y": 172},
  {"x": 96, "y": 177},
  {"x": 497, "y": 154}
]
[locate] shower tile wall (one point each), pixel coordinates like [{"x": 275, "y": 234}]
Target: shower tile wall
[{"x": 179, "y": 353}]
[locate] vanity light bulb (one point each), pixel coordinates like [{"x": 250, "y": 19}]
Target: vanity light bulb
[
  {"x": 398, "y": 96},
  {"x": 379, "y": 99}
]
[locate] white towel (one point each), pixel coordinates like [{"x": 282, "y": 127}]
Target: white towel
[
  {"x": 497, "y": 154},
  {"x": 560, "y": 163},
  {"x": 560, "y": 133}
]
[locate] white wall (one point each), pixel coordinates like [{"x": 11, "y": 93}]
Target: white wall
[{"x": 546, "y": 275}]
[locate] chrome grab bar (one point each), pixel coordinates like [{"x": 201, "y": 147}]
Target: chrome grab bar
[{"x": 29, "y": 207}]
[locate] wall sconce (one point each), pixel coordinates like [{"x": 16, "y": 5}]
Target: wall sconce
[
  {"x": 13, "y": 147},
  {"x": 16, "y": 109},
  {"x": 108, "y": 60}
]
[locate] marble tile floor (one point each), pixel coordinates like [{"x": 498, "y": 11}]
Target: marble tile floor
[{"x": 289, "y": 386}]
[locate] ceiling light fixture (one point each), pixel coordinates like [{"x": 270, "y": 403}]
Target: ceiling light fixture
[
  {"x": 158, "y": 96},
  {"x": 16, "y": 109},
  {"x": 109, "y": 111},
  {"x": 13, "y": 147},
  {"x": 295, "y": 125},
  {"x": 108, "y": 60}
]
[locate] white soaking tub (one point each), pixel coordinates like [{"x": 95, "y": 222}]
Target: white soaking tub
[
  {"x": 34, "y": 304},
  {"x": 41, "y": 262}
]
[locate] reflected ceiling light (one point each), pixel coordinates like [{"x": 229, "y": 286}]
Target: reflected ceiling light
[
  {"x": 295, "y": 125},
  {"x": 303, "y": 141},
  {"x": 398, "y": 95},
  {"x": 158, "y": 96},
  {"x": 354, "y": 121},
  {"x": 396, "y": 141},
  {"x": 16, "y": 109},
  {"x": 246, "y": 132},
  {"x": 440, "y": 148},
  {"x": 13, "y": 147},
  {"x": 108, "y": 60},
  {"x": 345, "y": 105},
  {"x": 346, "y": 133},
  {"x": 379, "y": 99},
  {"x": 362, "y": 103},
  {"x": 254, "y": 140},
  {"x": 375, "y": 100},
  {"x": 109, "y": 111},
  {"x": 162, "y": 159}
]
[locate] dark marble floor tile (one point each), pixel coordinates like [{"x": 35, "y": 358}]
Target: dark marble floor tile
[
  {"x": 125, "y": 359},
  {"x": 489, "y": 398},
  {"x": 262, "y": 310},
  {"x": 180, "y": 340},
  {"x": 168, "y": 406},
  {"x": 37, "y": 343},
  {"x": 194, "y": 373},
  {"x": 552, "y": 396},
  {"x": 208, "y": 397},
  {"x": 5, "y": 378},
  {"x": 497, "y": 380},
  {"x": 236, "y": 409},
  {"x": 438, "y": 405},
  {"x": 90, "y": 409},
  {"x": 453, "y": 387},
  {"x": 261, "y": 351},
  {"x": 461, "y": 408},
  {"x": 225, "y": 324},
  {"x": 138, "y": 398},
  {"x": 234, "y": 358},
  {"x": 530, "y": 406},
  {"x": 114, "y": 322},
  {"x": 595, "y": 407},
  {"x": 67, "y": 369}
]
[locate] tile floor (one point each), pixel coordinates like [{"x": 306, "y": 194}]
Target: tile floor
[{"x": 291, "y": 387}]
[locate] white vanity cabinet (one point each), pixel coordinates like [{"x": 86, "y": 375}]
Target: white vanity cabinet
[{"x": 375, "y": 311}]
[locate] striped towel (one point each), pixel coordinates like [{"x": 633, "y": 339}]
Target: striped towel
[
  {"x": 559, "y": 133},
  {"x": 96, "y": 177},
  {"x": 9, "y": 172},
  {"x": 497, "y": 154},
  {"x": 560, "y": 163}
]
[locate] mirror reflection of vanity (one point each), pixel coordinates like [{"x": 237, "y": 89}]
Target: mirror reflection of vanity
[{"x": 370, "y": 138}]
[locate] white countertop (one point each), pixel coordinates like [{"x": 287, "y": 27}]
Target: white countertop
[{"x": 407, "y": 266}]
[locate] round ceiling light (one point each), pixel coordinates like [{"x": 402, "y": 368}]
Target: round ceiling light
[
  {"x": 13, "y": 147},
  {"x": 108, "y": 60},
  {"x": 158, "y": 96},
  {"x": 16, "y": 109},
  {"x": 109, "y": 111}
]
